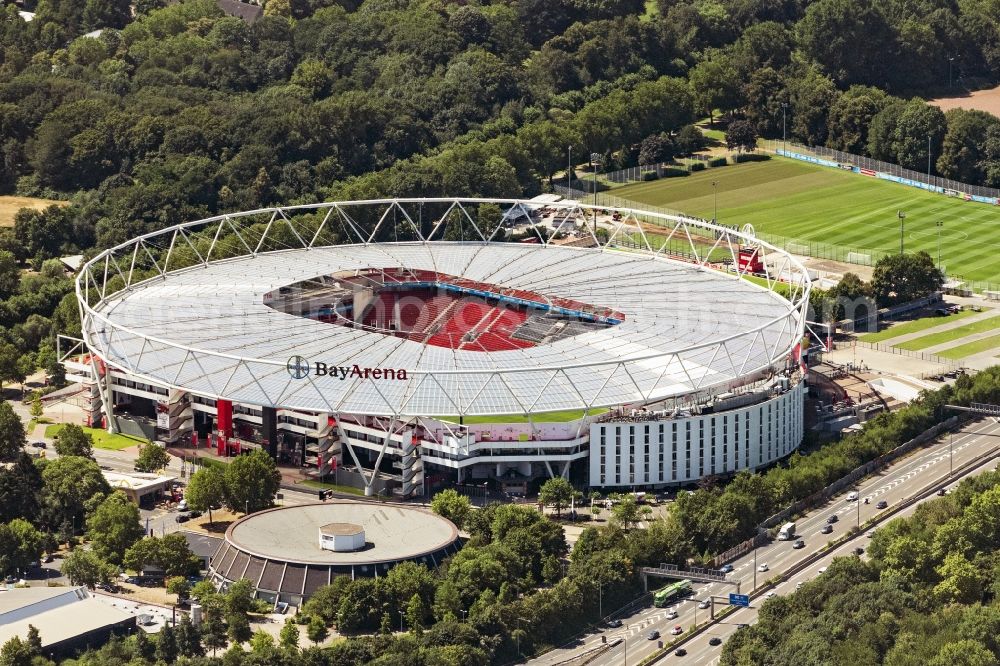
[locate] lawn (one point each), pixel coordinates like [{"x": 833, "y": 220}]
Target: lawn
[
  {"x": 102, "y": 438},
  {"x": 914, "y": 326},
  {"x": 814, "y": 204},
  {"x": 970, "y": 348},
  {"x": 9, "y": 205},
  {"x": 925, "y": 341},
  {"x": 543, "y": 417}
]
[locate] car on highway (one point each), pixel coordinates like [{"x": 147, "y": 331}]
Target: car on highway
[
  {"x": 859, "y": 551},
  {"x": 852, "y": 496},
  {"x": 672, "y": 613},
  {"x": 799, "y": 584},
  {"x": 762, "y": 568},
  {"x": 822, "y": 570},
  {"x": 882, "y": 505},
  {"x": 680, "y": 652},
  {"x": 799, "y": 543},
  {"x": 826, "y": 529},
  {"x": 677, "y": 630},
  {"x": 705, "y": 603},
  {"x": 771, "y": 593},
  {"x": 715, "y": 640},
  {"x": 653, "y": 635},
  {"x": 614, "y": 624},
  {"x": 942, "y": 492},
  {"x": 831, "y": 519},
  {"x": 726, "y": 568}
]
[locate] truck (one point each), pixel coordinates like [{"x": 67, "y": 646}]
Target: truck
[{"x": 787, "y": 532}]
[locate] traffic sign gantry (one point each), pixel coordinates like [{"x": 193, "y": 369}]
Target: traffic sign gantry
[{"x": 739, "y": 600}]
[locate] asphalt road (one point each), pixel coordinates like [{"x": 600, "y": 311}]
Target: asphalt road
[{"x": 894, "y": 484}]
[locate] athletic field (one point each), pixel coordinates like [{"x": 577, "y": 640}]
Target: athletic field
[{"x": 814, "y": 204}]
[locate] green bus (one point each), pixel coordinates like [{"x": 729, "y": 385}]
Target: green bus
[{"x": 671, "y": 593}]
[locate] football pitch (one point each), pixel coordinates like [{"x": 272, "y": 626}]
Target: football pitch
[{"x": 812, "y": 204}]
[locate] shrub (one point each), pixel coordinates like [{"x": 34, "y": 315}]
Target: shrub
[
  {"x": 649, "y": 175},
  {"x": 718, "y": 162},
  {"x": 750, "y": 157},
  {"x": 696, "y": 166},
  {"x": 674, "y": 172}
]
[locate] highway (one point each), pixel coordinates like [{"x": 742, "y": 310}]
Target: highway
[{"x": 894, "y": 484}]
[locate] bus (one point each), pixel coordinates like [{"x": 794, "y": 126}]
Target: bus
[{"x": 671, "y": 593}]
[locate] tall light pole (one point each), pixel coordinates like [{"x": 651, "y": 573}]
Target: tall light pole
[
  {"x": 755, "y": 566},
  {"x": 784, "y": 106},
  {"x": 928, "y": 158},
  {"x": 939, "y": 224},
  {"x": 858, "y": 502},
  {"x": 902, "y": 216},
  {"x": 596, "y": 159},
  {"x": 400, "y": 621},
  {"x": 569, "y": 167},
  {"x": 600, "y": 600},
  {"x": 951, "y": 61},
  {"x": 715, "y": 196},
  {"x": 951, "y": 453}
]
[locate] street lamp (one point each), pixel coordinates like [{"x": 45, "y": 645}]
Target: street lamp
[
  {"x": 951, "y": 61},
  {"x": 939, "y": 224},
  {"x": 858, "y": 502},
  {"x": 784, "y": 106},
  {"x": 715, "y": 197},
  {"x": 755, "y": 565},
  {"x": 902, "y": 216},
  {"x": 928, "y": 159},
  {"x": 400, "y": 621},
  {"x": 569, "y": 167},
  {"x": 596, "y": 159},
  {"x": 951, "y": 454}
]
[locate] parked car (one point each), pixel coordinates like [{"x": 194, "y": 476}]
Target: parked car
[
  {"x": 799, "y": 543},
  {"x": 614, "y": 624},
  {"x": 47, "y": 558},
  {"x": 715, "y": 640},
  {"x": 882, "y": 505},
  {"x": 826, "y": 529},
  {"x": 182, "y": 505},
  {"x": 182, "y": 518},
  {"x": 194, "y": 514},
  {"x": 677, "y": 630},
  {"x": 653, "y": 635},
  {"x": 40, "y": 445}
]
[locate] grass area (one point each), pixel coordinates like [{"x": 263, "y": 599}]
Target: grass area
[
  {"x": 925, "y": 341},
  {"x": 542, "y": 417},
  {"x": 814, "y": 204},
  {"x": 102, "y": 438},
  {"x": 914, "y": 326},
  {"x": 9, "y": 206},
  {"x": 970, "y": 348},
  {"x": 333, "y": 486}
]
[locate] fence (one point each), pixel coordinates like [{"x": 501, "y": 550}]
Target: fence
[
  {"x": 877, "y": 168},
  {"x": 923, "y": 356}
]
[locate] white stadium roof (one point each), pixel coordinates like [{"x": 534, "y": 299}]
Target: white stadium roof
[{"x": 205, "y": 328}]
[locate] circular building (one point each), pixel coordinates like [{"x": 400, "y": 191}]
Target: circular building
[
  {"x": 407, "y": 344},
  {"x": 289, "y": 552}
]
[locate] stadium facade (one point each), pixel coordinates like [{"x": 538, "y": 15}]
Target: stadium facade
[{"x": 413, "y": 343}]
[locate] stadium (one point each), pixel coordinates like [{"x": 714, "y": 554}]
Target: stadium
[{"x": 409, "y": 344}]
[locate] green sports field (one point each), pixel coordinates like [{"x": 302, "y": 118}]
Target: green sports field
[{"x": 814, "y": 204}]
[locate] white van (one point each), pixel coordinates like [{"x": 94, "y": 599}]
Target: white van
[{"x": 852, "y": 496}]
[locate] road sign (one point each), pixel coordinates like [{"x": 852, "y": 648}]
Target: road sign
[{"x": 739, "y": 600}]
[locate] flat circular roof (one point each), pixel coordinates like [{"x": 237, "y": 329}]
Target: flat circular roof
[
  {"x": 205, "y": 327},
  {"x": 291, "y": 534}
]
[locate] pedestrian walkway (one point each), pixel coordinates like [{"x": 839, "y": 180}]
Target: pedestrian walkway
[{"x": 946, "y": 326}]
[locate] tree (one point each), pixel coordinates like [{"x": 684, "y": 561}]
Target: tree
[
  {"x": 166, "y": 645},
  {"x": 207, "y": 488},
  {"x": 625, "y": 512},
  {"x": 12, "y": 439},
  {"x": 170, "y": 553},
  {"x": 180, "y": 586},
  {"x": 10, "y": 274},
  {"x": 114, "y": 527},
  {"x": 741, "y": 135},
  {"x": 716, "y": 85},
  {"x": 851, "y": 116},
  {"x": 262, "y": 643},
  {"x": 142, "y": 646},
  {"x": 84, "y": 567},
  {"x": 20, "y": 544},
  {"x": 34, "y": 640},
  {"x": 151, "y": 458},
  {"x": 73, "y": 487},
  {"x": 962, "y": 155},
  {"x": 918, "y": 122},
  {"x": 16, "y": 652},
  {"x": 20, "y": 489},
  {"x": 11, "y": 368},
  {"x": 557, "y": 493},
  {"x": 415, "y": 612},
  {"x": 213, "y": 627},
  {"x": 189, "y": 638},
  {"x": 313, "y": 75},
  {"x": 316, "y": 630},
  {"x": 289, "y": 636},
  {"x": 848, "y": 39},
  {"x": 36, "y": 406},
  {"x": 72, "y": 440},
  {"x": 901, "y": 278},
  {"x": 238, "y": 628},
  {"x": 656, "y": 148},
  {"x": 964, "y": 653},
  {"x": 252, "y": 481},
  {"x": 451, "y": 505}
]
